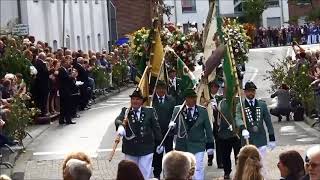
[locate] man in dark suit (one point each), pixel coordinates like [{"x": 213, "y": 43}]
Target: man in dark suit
[
  {"x": 175, "y": 87},
  {"x": 83, "y": 77},
  {"x": 66, "y": 82},
  {"x": 164, "y": 105},
  {"x": 41, "y": 84}
]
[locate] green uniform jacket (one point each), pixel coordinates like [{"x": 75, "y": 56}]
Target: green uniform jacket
[
  {"x": 224, "y": 132},
  {"x": 199, "y": 137},
  {"x": 164, "y": 111},
  {"x": 146, "y": 130},
  {"x": 259, "y": 137},
  {"x": 215, "y": 116}
]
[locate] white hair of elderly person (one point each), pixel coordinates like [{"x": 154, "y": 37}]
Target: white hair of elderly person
[
  {"x": 192, "y": 160},
  {"x": 79, "y": 170},
  {"x": 176, "y": 166},
  {"x": 4, "y": 177}
]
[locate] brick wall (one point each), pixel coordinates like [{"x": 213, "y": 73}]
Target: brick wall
[
  {"x": 302, "y": 10},
  {"x": 132, "y": 15}
]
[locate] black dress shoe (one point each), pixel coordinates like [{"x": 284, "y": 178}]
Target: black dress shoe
[
  {"x": 76, "y": 116},
  {"x": 209, "y": 163},
  {"x": 226, "y": 176},
  {"x": 71, "y": 122},
  {"x": 220, "y": 166},
  {"x": 61, "y": 122}
]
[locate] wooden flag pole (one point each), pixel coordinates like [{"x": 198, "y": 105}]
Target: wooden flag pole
[{"x": 238, "y": 84}]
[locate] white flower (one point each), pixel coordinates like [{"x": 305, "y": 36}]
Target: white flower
[
  {"x": 140, "y": 54},
  {"x": 33, "y": 70},
  {"x": 183, "y": 38},
  {"x": 178, "y": 42},
  {"x": 236, "y": 50}
]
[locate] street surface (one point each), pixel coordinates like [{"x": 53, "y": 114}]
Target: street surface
[{"x": 95, "y": 131}]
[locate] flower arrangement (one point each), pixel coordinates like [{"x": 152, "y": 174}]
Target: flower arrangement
[
  {"x": 240, "y": 42},
  {"x": 184, "y": 45},
  {"x": 140, "y": 46},
  {"x": 285, "y": 71},
  {"x": 21, "y": 116}
]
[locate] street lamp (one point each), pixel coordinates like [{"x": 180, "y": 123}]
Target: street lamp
[{"x": 63, "y": 21}]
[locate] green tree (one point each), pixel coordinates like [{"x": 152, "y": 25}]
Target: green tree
[{"x": 253, "y": 10}]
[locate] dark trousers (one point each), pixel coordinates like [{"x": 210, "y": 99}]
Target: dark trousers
[
  {"x": 75, "y": 98},
  {"x": 227, "y": 145},
  {"x": 280, "y": 111},
  {"x": 219, "y": 150},
  {"x": 65, "y": 108},
  {"x": 157, "y": 158},
  {"x": 84, "y": 94},
  {"x": 41, "y": 102}
]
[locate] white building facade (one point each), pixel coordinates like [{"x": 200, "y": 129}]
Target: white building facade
[
  {"x": 186, "y": 12},
  {"x": 276, "y": 15},
  {"x": 86, "y": 21}
]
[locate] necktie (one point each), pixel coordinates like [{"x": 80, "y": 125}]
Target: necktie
[
  {"x": 189, "y": 113},
  {"x": 136, "y": 113},
  {"x": 160, "y": 100},
  {"x": 251, "y": 103}
]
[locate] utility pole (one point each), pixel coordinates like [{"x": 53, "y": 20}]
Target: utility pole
[
  {"x": 63, "y": 22},
  {"x": 19, "y": 11}
]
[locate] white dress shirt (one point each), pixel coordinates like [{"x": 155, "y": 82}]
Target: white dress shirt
[
  {"x": 138, "y": 112},
  {"x": 253, "y": 101},
  {"x": 163, "y": 97},
  {"x": 192, "y": 110},
  {"x": 174, "y": 83}
]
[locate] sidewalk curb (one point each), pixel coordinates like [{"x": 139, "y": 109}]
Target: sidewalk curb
[{"x": 17, "y": 172}]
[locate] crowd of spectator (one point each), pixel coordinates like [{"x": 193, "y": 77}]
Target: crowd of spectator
[
  {"x": 45, "y": 85},
  {"x": 178, "y": 165},
  {"x": 273, "y": 37}
]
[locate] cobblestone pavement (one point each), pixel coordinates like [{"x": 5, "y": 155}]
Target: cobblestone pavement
[{"x": 289, "y": 135}]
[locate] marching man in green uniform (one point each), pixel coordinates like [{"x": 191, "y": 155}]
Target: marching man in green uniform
[
  {"x": 214, "y": 101},
  {"x": 227, "y": 136},
  {"x": 194, "y": 132},
  {"x": 141, "y": 132},
  {"x": 256, "y": 115},
  {"x": 164, "y": 105}
]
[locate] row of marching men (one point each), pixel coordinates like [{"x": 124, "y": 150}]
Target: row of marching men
[{"x": 148, "y": 132}]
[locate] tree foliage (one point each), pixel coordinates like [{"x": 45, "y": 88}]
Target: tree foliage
[{"x": 253, "y": 10}]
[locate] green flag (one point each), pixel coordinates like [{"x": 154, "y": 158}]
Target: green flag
[
  {"x": 188, "y": 79},
  {"x": 228, "y": 69}
]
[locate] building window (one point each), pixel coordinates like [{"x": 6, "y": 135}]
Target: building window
[
  {"x": 68, "y": 41},
  {"x": 272, "y": 3},
  {"x": 188, "y": 6},
  {"x": 78, "y": 43},
  {"x": 75, "y": 1},
  {"x": 52, "y": 1},
  {"x": 89, "y": 42},
  {"x": 303, "y": 2},
  {"x": 85, "y": 1},
  {"x": 99, "y": 42},
  {"x": 97, "y": 1},
  {"x": 55, "y": 45},
  {"x": 35, "y": 0}
]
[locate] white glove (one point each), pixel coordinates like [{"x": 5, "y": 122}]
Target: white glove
[
  {"x": 230, "y": 128},
  {"x": 121, "y": 131},
  {"x": 172, "y": 124},
  {"x": 210, "y": 151},
  {"x": 245, "y": 134},
  {"x": 272, "y": 145},
  {"x": 160, "y": 149}
]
